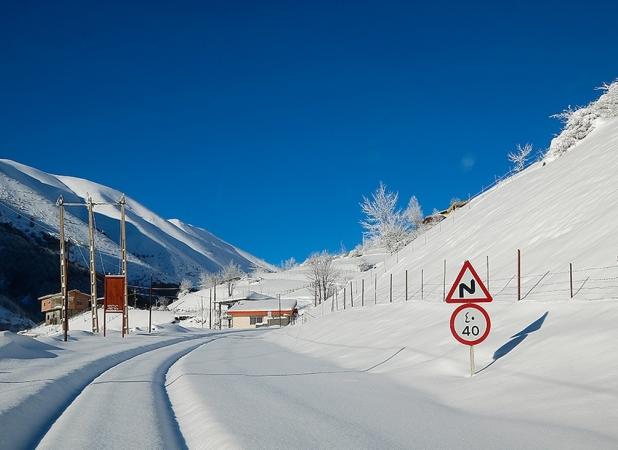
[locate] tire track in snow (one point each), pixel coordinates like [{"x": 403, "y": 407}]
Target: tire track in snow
[
  {"x": 24, "y": 425},
  {"x": 125, "y": 407}
]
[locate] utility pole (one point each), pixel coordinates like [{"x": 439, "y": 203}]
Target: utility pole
[
  {"x": 93, "y": 271},
  {"x": 123, "y": 250},
  {"x": 215, "y": 302},
  {"x": 279, "y": 298},
  {"x": 63, "y": 272},
  {"x": 202, "y": 305},
  {"x": 150, "y": 308}
]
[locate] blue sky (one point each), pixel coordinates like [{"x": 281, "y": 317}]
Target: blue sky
[{"x": 266, "y": 122}]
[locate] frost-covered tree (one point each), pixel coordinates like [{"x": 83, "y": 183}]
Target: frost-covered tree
[
  {"x": 519, "y": 157},
  {"x": 385, "y": 223},
  {"x": 322, "y": 275},
  {"x": 414, "y": 213},
  {"x": 205, "y": 280},
  {"x": 580, "y": 121},
  {"x": 162, "y": 303},
  {"x": 230, "y": 274},
  {"x": 289, "y": 263},
  {"x": 185, "y": 287}
]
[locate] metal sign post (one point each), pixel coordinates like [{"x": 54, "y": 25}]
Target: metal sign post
[{"x": 470, "y": 325}]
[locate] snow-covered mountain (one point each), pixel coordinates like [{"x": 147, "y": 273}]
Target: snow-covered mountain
[{"x": 169, "y": 250}]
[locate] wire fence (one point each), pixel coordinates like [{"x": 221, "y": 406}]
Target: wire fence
[{"x": 576, "y": 284}]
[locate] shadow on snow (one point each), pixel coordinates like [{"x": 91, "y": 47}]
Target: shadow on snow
[{"x": 516, "y": 339}]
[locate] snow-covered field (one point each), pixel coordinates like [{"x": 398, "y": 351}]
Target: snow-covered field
[
  {"x": 396, "y": 379},
  {"x": 378, "y": 375}
]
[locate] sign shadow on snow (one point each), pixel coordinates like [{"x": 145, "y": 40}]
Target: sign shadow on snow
[{"x": 516, "y": 339}]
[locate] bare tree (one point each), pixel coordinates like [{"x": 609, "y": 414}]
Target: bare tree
[
  {"x": 230, "y": 274},
  {"x": 322, "y": 275},
  {"x": 520, "y": 156}
]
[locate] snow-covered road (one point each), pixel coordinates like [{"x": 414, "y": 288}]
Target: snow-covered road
[
  {"x": 298, "y": 387},
  {"x": 243, "y": 391},
  {"x": 125, "y": 407}
]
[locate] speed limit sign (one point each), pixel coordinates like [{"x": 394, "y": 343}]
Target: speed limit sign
[{"x": 470, "y": 324}]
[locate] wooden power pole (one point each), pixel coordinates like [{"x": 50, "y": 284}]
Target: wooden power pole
[
  {"x": 63, "y": 272},
  {"x": 93, "y": 272},
  {"x": 123, "y": 250}
]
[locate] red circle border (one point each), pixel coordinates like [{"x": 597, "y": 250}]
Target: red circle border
[{"x": 452, "y": 324}]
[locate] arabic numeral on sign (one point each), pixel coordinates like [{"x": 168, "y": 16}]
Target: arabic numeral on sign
[{"x": 474, "y": 331}]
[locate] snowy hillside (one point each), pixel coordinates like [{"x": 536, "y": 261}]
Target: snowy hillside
[
  {"x": 169, "y": 249},
  {"x": 391, "y": 375},
  {"x": 557, "y": 212}
]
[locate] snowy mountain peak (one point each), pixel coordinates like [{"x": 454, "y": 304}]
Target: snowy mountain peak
[{"x": 167, "y": 249}]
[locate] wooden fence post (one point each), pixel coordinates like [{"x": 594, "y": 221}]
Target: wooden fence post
[
  {"x": 375, "y": 290},
  {"x": 422, "y": 291},
  {"x": 444, "y": 283},
  {"x": 518, "y": 274},
  {"x": 391, "y": 290},
  {"x": 363, "y": 292},
  {"x": 487, "y": 278},
  {"x": 351, "y": 296}
]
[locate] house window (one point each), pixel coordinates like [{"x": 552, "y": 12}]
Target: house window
[{"x": 255, "y": 320}]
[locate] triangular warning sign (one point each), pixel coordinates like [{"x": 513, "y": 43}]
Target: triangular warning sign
[{"x": 468, "y": 287}]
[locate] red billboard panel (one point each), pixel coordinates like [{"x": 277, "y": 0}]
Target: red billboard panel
[{"x": 114, "y": 293}]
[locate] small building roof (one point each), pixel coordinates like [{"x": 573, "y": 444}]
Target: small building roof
[
  {"x": 70, "y": 293},
  {"x": 252, "y": 296},
  {"x": 257, "y": 296},
  {"x": 267, "y": 304}
]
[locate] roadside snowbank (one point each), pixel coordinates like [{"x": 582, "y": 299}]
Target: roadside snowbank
[{"x": 553, "y": 362}]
